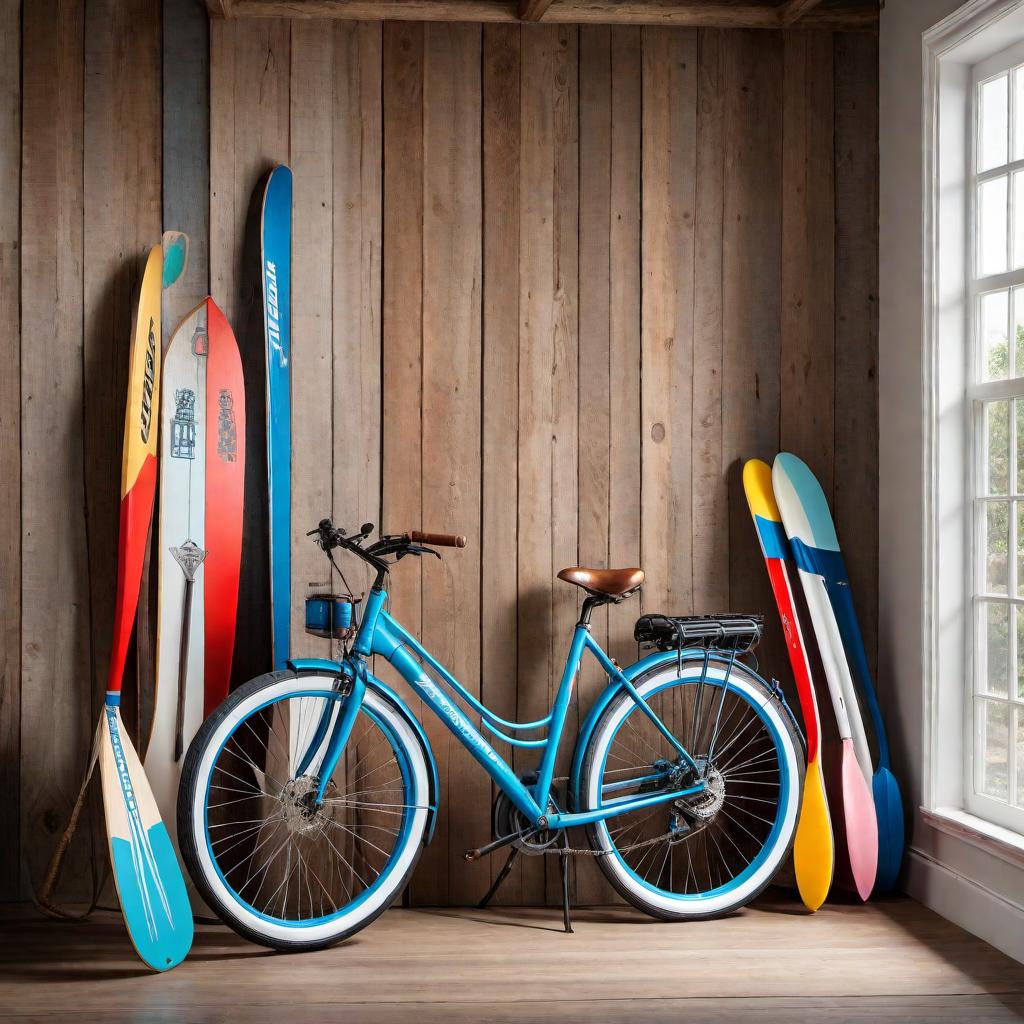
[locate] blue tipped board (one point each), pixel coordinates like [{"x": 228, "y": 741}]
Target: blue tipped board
[
  {"x": 820, "y": 554},
  {"x": 276, "y": 251}
]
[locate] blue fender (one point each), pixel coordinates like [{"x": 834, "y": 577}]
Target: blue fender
[
  {"x": 633, "y": 673},
  {"x": 321, "y": 665}
]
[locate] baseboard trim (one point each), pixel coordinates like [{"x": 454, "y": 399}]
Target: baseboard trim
[{"x": 960, "y": 899}]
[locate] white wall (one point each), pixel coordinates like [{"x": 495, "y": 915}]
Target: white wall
[{"x": 965, "y": 883}]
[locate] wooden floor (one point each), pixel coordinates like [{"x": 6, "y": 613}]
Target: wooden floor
[{"x": 888, "y": 961}]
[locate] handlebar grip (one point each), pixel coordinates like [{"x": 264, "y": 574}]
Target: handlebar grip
[{"x": 443, "y": 540}]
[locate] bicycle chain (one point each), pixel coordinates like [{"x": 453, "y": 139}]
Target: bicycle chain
[{"x": 574, "y": 851}]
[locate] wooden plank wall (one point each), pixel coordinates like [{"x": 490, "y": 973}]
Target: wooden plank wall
[{"x": 552, "y": 285}]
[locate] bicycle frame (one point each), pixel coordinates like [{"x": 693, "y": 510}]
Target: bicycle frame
[{"x": 380, "y": 634}]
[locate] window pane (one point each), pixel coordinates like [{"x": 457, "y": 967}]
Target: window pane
[
  {"x": 1019, "y": 506},
  {"x": 992, "y": 123},
  {"x": 992, "y": 748},
  {"x": 1018, "y": 331},
  {"x": 1019, "y": 615},
  {"x": 1018, "y": 218},
  {"x": 997, "y": 447},
  {"x": 994, "y": 650},
  {"x": 997, "y": 546},
  {"x": 992, "y": 227},
  {"x": 995, "y": 349},
  {"x": 1018, "y": 117},
  {"x": 1020, "y": 757}
]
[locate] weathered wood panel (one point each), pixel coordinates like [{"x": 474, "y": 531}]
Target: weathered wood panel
[
  {"x": 709, "y": 488},
  {"x": 122, "y": 217},
  {"x": 186, "y": 149},
  {"x": 595, "y": 379},
  {"x": 452, "y": 269},
  {"x": 10, "y": 455},
  {"x": 312, "y": 163},
  {"x": 57, "y": 711},
  {"x": 499, "y": 586},
  {"x": 751, "y": 300},
  {"x": 856, "y": 322},
  {"x": 667, "y": 260},
  {"x": 402, "y": 388},
  {"x": 624, "y": 334},
  {"x": 551, "y": 287},
  {"x": 356, "y": 247},
  {"x": 808, "y": 281},
  {"x": 609, "y": 333},
  {"x": 250, "y": 65},
  {"x": 547, "y": 484}
]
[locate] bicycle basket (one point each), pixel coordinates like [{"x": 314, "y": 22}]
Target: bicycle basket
[
  {"x": 731, "y": 632},
  {"x": 333, "y": 616}
]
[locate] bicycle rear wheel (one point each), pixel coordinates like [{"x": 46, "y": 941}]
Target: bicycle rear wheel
[
  {"x": 275, "y": 867},
  {"x": 704, "y": 856}
]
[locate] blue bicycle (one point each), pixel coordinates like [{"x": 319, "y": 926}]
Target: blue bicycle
[{"x": 307, "y": 797}]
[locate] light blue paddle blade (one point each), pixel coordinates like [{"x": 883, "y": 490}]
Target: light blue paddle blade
[
  {"x": 175, "y": 256},
  {"x": 276, "y": 245},
  {"x": 150, "y": 885},
  {"x": 154, "y": 900},
  {"x": 891, "y": 836}
]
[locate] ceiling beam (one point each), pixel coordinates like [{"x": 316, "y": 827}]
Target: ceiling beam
[
  {"x": 793, "y": 10},
  {"x": 533, "y": 10},
  {"x": 688, "y": 13}
]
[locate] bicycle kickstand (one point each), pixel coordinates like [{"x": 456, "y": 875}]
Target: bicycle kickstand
[
  {"x": 502, "y": 875},
  {"x": 563, "y": 867}
]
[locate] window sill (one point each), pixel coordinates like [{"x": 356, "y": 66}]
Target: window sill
[{"x": 994, "y": 839}]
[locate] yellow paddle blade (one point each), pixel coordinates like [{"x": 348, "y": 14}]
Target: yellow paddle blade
[{"x": 813, "y": 850}]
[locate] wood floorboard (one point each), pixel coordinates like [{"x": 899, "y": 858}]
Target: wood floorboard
[{"x": 890, "y": 961}]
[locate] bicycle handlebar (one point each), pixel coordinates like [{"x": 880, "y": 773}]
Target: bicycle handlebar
[
  {"x": 329, "y": 536},
  {"x": 442, "y": 540}
]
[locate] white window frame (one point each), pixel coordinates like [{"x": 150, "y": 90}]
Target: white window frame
[
  {"x": 951, "y": 50},
  {"x": 1008, "y": 814}
]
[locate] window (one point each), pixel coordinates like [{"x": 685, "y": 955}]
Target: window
[{"x": 994, "y": 716}]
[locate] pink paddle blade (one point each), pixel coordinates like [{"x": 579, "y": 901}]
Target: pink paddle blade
[{"x": 861, "y": 823}]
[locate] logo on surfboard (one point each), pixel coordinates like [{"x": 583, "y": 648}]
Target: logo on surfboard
[
  {"x": 148, "y": 383},
  {"x": 227, "y": 432},
  {"x": 273, "y": 313},
  {"x": 183, "y": 425}
]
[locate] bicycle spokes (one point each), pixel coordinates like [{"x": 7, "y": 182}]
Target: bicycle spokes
[
  {"x": 703, "y": 842},
  {"x": 281, "y": 852}
]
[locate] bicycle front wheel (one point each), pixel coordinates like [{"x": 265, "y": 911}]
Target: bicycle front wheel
[
  {"x": 708, "y": 855},
  {"x": 273, "y": 865}
]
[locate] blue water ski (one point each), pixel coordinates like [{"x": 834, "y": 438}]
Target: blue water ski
[
  {"x": 276, "y": 238},
  {"x": 819, "y": 553}
]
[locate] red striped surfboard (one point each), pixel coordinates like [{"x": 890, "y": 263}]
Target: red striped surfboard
[{"x": 225, "y": 492}]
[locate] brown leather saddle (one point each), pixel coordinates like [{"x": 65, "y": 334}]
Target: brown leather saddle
[{"x": 614, "y": 583}]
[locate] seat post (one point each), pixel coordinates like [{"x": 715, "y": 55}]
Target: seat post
[{"x": 593, "y": 601}]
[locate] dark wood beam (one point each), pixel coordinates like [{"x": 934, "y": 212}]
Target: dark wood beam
[
  {"x": 793, "y": 10},
  {"x": 533, "y": 10},
  {"x": 683, "y": 13}
]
